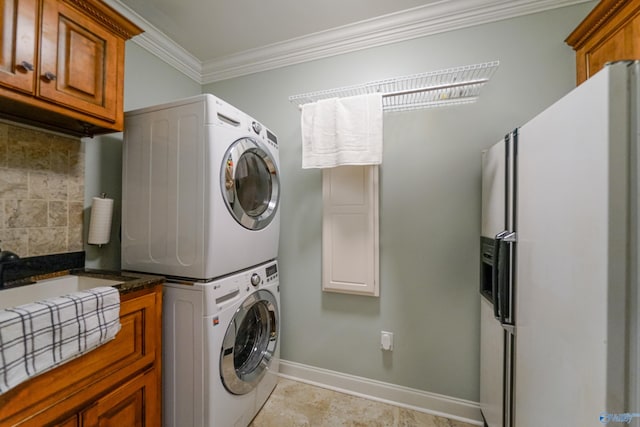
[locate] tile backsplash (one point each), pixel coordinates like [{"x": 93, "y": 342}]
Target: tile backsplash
[{"x": 41, "y": 191}]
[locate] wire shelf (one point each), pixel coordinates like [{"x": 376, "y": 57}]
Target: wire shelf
[{"x": 452, "y": 86}]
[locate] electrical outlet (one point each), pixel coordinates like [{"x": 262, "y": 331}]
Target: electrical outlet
[{"x": 386, "y": 340}]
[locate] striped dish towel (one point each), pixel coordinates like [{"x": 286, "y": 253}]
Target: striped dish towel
[{"x": 38, "y": 336}]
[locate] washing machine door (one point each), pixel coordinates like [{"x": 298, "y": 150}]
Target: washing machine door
[
  {"x": 250, "y": 183},
  {"x": 249, "y": 343}
]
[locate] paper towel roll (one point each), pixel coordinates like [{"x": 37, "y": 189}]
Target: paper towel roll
[{"x": 100, "y": 221}]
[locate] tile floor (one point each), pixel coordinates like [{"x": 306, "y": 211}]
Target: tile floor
[{"x": 295, "y": 404}]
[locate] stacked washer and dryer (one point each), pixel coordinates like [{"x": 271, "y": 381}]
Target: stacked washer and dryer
[{"x": 200, "y": 206}]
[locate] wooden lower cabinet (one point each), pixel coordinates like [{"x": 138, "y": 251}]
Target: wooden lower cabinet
[
  {"x": 73, "y": 421},
  {"x": 132, "y": 404},
  {"x": 118, "y": 384}
]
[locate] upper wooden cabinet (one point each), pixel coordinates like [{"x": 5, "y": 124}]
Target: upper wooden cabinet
[
  {"x": 62, "y": 64},
  {"x": 611, "y": 32},
  {"x": 18, "y": 20}
]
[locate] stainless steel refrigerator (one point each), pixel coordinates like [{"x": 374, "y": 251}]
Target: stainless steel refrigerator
[{"x": 559, "y": 262}]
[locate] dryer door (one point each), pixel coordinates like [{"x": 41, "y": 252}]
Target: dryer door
[
  {"x": 250, "y": 183},
  {"x": 249, "y": 343}
]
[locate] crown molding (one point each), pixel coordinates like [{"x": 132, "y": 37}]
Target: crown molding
[
  {"x": 446, "y": 15},
  {"x": 433, "y": 18},
  {"x": 159, "y": 44}
]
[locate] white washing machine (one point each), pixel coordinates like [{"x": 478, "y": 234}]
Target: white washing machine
[
  {"x": 200, "y": 190},
  {"x": 220, "y": 348}
]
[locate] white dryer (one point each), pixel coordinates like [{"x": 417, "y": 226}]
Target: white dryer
[
  {"x": 220, "y": 348},
  {"x": 200, "y": 190}
]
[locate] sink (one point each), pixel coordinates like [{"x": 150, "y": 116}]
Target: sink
[{"x": 50, "y": 288}]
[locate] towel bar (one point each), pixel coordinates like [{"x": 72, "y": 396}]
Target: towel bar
[{"x": 459, "y": 85}]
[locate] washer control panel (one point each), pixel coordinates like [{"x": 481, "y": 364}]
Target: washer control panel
[{"x": 226, "y": 291}]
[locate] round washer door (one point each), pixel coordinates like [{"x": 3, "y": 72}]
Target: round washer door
[
  {"x": 250, "y": 184},
  {"x": 249, "y": 343}
]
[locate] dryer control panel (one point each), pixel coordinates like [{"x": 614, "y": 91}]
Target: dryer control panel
[
  {"x": 272, "y": 272},
  {"x": 271, "y": 137}
]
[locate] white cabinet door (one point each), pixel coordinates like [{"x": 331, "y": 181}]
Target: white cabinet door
[{"x": 350, "y": 230}]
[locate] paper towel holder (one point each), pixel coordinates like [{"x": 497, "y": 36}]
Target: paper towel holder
[{"x": 100, "y": 220}]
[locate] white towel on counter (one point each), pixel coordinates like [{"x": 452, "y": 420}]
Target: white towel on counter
[
  {"x": 342, "y": 131},
  {"x": 39, "y": 336}
]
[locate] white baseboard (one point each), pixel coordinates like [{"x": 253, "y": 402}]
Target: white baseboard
[{"x": 418, "y": 400}]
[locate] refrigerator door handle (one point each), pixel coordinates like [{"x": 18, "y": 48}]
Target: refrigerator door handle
[
  {"x": 505, "y": 278},
  {"x": 495, "y": 281},
  {"x": 503, "y": 272}
]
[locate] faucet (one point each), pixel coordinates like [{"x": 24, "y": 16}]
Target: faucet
[{"x": 6, "y": 257}]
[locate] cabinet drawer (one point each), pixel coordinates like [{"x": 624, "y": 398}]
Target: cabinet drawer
[{"x": 66, "y": 387}]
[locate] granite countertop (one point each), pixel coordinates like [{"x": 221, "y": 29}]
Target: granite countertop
[
  {"x": 26, "y": 271},
  {"x": 131, "y": 281}
]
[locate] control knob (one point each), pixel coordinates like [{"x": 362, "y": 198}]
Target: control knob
[
  {"x": 257, "y": 127},
  {"x": 255, "y": 279}
]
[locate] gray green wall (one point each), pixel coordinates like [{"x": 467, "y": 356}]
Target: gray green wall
[
  {"x": 148, "y": 81},
  {"x": 429, "y": 200},
  {"x": 429, "y": 194}
]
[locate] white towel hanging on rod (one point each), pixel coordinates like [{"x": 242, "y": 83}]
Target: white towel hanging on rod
[{"x": 338, "y": 132}]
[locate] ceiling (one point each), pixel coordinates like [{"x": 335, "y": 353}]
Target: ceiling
[
  {"x": 211, "y": 29},
  {"x": 211, "y": 40}
]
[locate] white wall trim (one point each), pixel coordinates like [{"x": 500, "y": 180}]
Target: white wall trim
[
  {"x": 433, "y": 18},
  {"x": 171, "y": 53},
  {"x": 159, "y": 44},
  {"x": 421, "y": 21},
  {"x": 418, "y": 400}
]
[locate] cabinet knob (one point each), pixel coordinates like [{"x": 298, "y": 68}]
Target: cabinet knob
[
  {"x": 26, "y": 65},
  {"x": 49, "y": 76}
]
